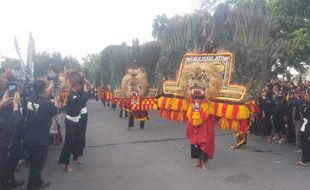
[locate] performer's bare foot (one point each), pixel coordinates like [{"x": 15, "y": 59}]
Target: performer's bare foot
[
  {"x": 204, "y": 166},
  {"x": 68, "y": 168},
  {"x": 300, "y": 163},
  {"x": 197, "y": 164},
  {"x": 269, "y": 139},
  {"x": 238, "y": 146},
  {"x": 235, "y": 147}
]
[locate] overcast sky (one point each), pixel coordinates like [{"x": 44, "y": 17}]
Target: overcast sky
[{"x": 80, "y": 27}]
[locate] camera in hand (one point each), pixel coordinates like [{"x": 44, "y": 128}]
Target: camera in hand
[
  {"x": 53, "y": 77},
  {"x": 13, "y": 88}
]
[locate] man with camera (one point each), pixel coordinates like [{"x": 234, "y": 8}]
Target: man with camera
[
  {"x": 39, "y": 113},
  {"x": 10, "y": 118}
]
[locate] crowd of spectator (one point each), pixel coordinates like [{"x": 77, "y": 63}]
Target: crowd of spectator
[{"x": 281, "y": 106}]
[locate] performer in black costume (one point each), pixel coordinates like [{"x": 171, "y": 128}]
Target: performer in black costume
[
  {"x": 73, "y": 136},
  {"x": 82, "y": 125}
]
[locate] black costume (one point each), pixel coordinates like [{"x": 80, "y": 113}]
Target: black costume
[
  {"x": 264, "y": 120},
  {"x": 280, "y": 106},
  {"x": 83, "y": 122},
  {"x": 292, "y": 107},
  {"x": 9, "y": 126},
  {"x": 73, "y": 136},
  {"x": 305, "y": 135},
  {"x": 121, "y": 113},
  {"x": 139, "y": 115}
]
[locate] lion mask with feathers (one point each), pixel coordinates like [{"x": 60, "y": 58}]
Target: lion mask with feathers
[
  {"x": 134, "y": 83},
  {"x": 200, "y": 80}
]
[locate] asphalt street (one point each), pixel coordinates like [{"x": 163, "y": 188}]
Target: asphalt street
[{"x": 158, "y": 158}]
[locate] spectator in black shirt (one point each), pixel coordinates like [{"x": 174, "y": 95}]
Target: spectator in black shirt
[
  {"x": 279, "y": 117},
  {"x": 292, "y": 116},
  {"x": 39, "y": 113},
  {"x": 10, "y": 118},
  {"x": 265, "y": 105}
]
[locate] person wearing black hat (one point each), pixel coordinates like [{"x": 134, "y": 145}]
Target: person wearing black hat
[{"x": 39, "y": 113}]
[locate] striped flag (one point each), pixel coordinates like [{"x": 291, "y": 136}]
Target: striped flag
[
  {"x": 17, "y": 48},
  {"x": 31, "y": 53}
]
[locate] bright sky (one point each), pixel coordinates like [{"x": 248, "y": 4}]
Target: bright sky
[{"x": 80, "y": 27}]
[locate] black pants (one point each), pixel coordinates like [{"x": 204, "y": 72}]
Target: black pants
[
  {"x": 279, "y": 124},
  {"x": 83, "y": 124},
  {"x": 131, "y": 121},
  {"x": 197, "y": 153},
  {"x": 81, "y": 136},
  {"x": 290, "y": 131},
  {"x": 15, "y": 155},
  {"x": 113, "y": 106},
  {"x": 72, "y": 142},
  {"x": 266, "y": 125},
  {"x": 8, "y": 162},
  {"x": 4, "y": 159},
  {"x": 37, "y": 159},
  {"x": 121, "y": 113},
  {"x": 305, "y": 147}
]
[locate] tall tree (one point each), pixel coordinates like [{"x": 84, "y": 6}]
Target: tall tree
[
  {"x": 45, "y": 61},
  {"x": 293, "y": 17},
  {"x": 249, "y": 34},
  {"x": 114, "y": 61},
  {"x": 91, "y": 67},
  {"x": 148, "y": 57},
  {"x": 159, "y": 26},
  {"x": 70, "y": 62},
  {"x": 11, "y": 64},
  {"x": 176, "y": 36}
]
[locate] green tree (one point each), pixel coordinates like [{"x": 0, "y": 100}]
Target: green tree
[
  {"x": 11, "y": 63},
  {"x": 293, "y": 18},
  {"x": 14, "y": 65},
  {"x": 148, "y": 57},
  {"x": 160, "y": 24},
  {"x": 114, "y": 60},
  {"x": 249, "y": 34},
  {"x": 70, "y": 62},
  {"x": 176, "y": 36},
  {"x": 91, "y": 68},
  {"x": 56, "y": 62},
  {"x": 44, "y": 61}
]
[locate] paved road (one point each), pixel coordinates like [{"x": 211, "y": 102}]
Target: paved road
[{"x": 158, "y": 158}]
